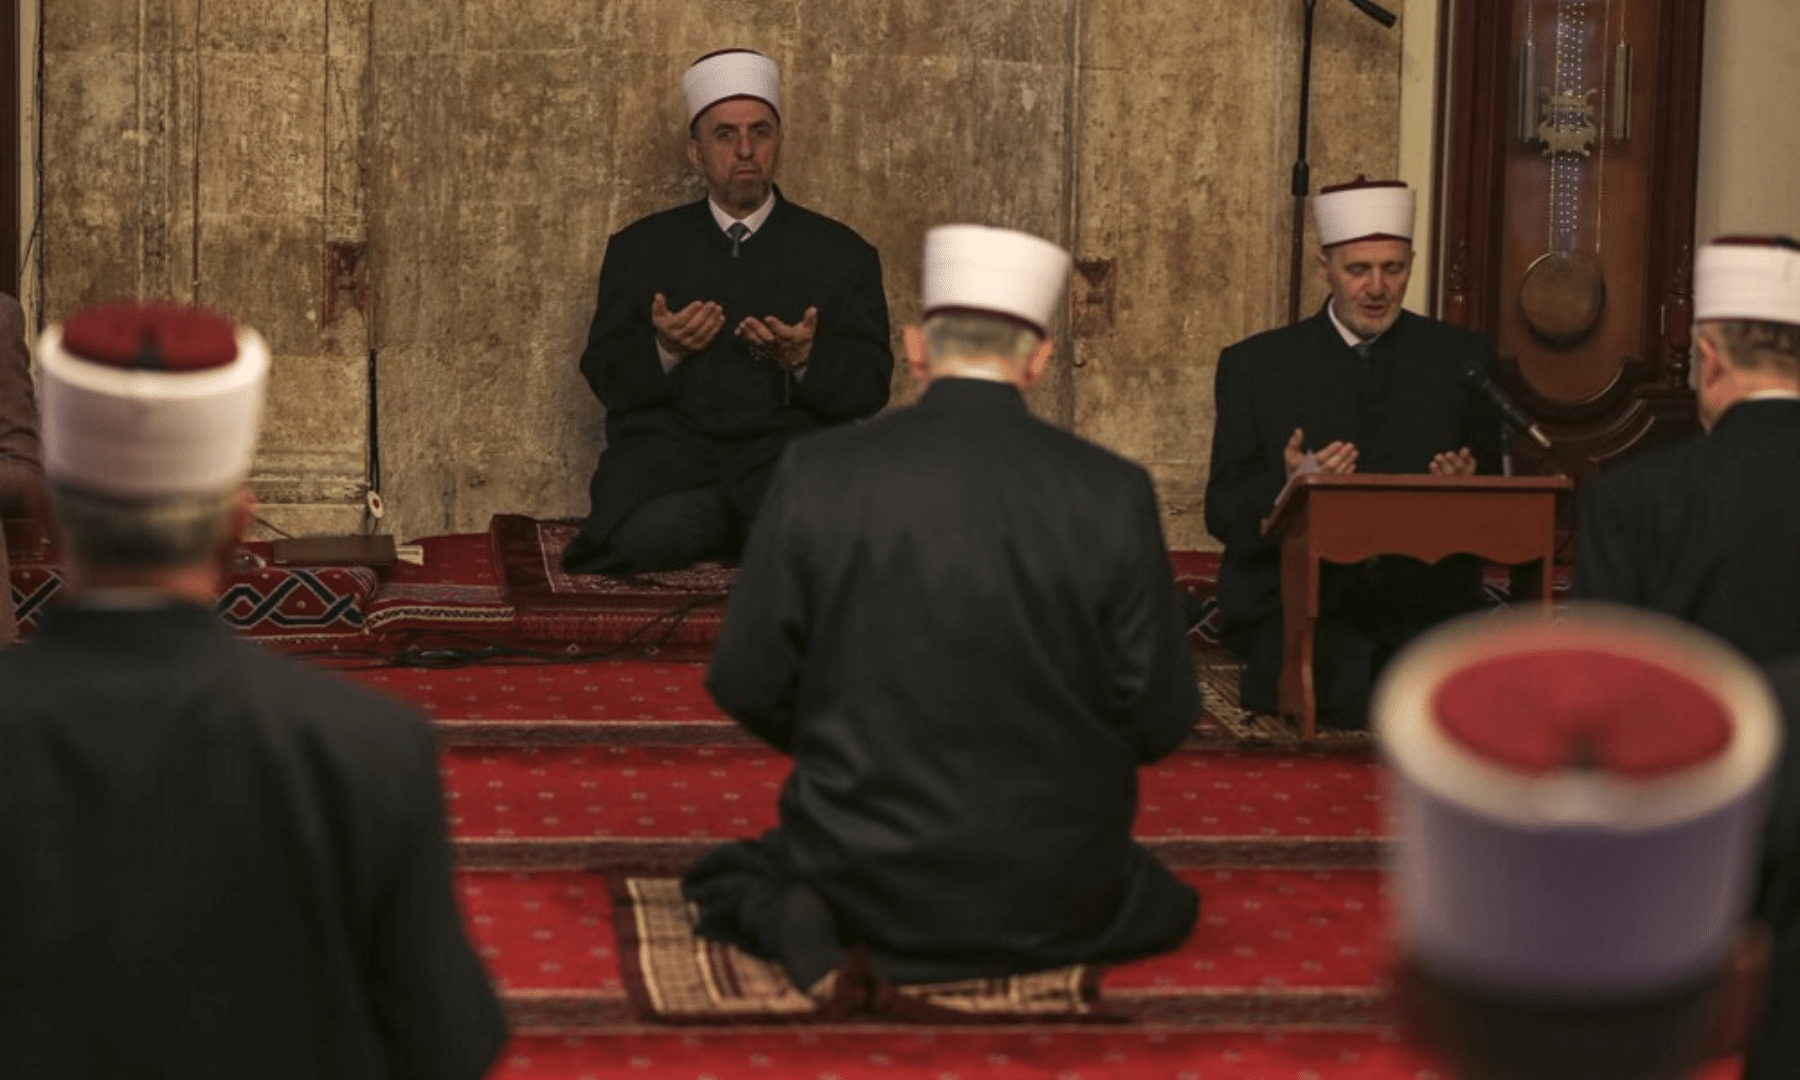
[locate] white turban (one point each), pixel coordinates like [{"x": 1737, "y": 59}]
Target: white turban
[
  {"x": 999, "y": 271},
  {"x": 729, "y": 74},
  {"x": 1364, "y": 210},
  {"x": 146, "y": 400},
  {"x": 1747, "y": 277}
]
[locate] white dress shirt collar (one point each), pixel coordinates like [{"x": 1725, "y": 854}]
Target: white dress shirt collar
[
  {"x": 753, "y": 222},
  {"x": 1345, "y": 332}
]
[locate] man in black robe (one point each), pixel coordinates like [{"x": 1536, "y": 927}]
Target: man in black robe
[
  {"x": 1708, "y": 529},
  {"x": 1774, "y": 1051},
  {"x": 960, "y": 622},
  {"x": 218, "y": 862},
  {"x": 1362, "y": 386},
  {"x": 723, "y": 329}
]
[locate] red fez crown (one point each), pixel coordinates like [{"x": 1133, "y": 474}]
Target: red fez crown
[
  {"x": 151, "y": 337},
  {"x": 1544, "y": 710},
  {"x": 1362, "y": 181}
]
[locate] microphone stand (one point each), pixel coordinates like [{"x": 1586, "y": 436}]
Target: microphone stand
[{"x": 1301, "y": 183}]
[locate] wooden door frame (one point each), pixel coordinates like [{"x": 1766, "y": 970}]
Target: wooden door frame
[{"x": 10, "y": 108}]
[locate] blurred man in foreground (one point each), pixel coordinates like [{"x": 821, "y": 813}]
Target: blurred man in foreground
[{"x": 1579, "y": 807}]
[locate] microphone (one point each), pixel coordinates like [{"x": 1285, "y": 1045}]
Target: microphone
[
  {"x": 1375, "y": 11},
  {"x": 1482, "y": 383}
]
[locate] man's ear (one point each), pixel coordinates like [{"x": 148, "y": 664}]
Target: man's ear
[
  {"x": 693, "y": 155},
  {"x": 1712, "y": 363},
  {"x": 1323, "y": 262},
  {"x": 918, "y": 364},
  {"x": 1038, "y": 362}
]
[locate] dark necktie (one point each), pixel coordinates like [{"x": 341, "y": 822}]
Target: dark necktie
[
  {"x": 737, "y": 232},
  {"x": 1362, "y": 348}
]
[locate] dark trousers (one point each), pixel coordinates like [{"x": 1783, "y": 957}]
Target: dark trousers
[
  {"x": 750, "y": 896},
  {"x": 1367, "y": 612},
  {"x": 667, "y": 533}
]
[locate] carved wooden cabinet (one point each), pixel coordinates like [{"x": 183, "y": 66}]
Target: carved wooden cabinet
[{"x": 1568, "y": 213}]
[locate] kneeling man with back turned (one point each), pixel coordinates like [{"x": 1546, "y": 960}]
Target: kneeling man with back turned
[{"x": 960, "y": 622}]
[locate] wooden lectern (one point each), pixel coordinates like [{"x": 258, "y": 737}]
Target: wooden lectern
[{"x": 1349, "y": 518}]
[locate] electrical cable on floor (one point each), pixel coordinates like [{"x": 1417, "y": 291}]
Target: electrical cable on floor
[{"x": 444, "y": 650}]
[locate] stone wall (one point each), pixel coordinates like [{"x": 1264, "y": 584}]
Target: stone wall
[{"x": 412, "y": 200}]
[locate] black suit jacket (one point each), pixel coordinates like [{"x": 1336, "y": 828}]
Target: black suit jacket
[
  {"x": 960, "y": 622},
  {"x": 1706, "y": 530},
  {"x": 721, "y": 416},
  {"x": 1775, "y": 1047},
  {"x": 1406, "y": 404},
  {"x": 219, "y": 863}
]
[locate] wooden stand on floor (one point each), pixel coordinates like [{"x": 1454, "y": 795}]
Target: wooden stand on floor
[{"x": 1346, "y": 519}]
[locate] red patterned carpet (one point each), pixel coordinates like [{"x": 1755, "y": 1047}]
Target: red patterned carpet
[
  {"x": 610, "y": 758},
  {"x": 713, "y": 793},
  {"x": 1261, "y": 930},
  {"x": 954, "y": 1054},
  {"x": 561, "y": 776}
]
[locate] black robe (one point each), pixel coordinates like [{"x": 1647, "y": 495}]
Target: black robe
[
  {"x": 1406, "y": 403},
  {"x": 1774, "y": 1052},
  {"x": 221, "y": 864},
  {"x": 960, "y": 622},
  {"x": 720, "y": 418},
  {"x": 1706, "y": 530}
]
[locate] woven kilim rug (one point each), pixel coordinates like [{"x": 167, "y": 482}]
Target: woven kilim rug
[
  {"x": 673, "y": 614},
  {"x": 1225, "y": 720},
  {"x": 676, "y": 977},
  {"x": 529, "y": 553}
]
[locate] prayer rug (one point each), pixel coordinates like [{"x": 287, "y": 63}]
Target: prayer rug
[
  {"x": 673, "y": 613},
  {"x": 1225, "y": 720},
  {"x": 258, "y": 600},
  {"x": 676, "y": 977}
]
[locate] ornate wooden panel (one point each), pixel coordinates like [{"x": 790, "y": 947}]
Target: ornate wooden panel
[
  {"x": 1569, "y": 213},
  {"x": 9, "y": 140}
]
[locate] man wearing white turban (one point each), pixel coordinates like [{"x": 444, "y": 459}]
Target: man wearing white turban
[
  {"x": 1362, "y": 386},
  {"x": 959, "y": 620},
  {"x": 723, "y": 329},
  {"x": 219, "y": 861},
  {"x": 1707, "y": 529}
]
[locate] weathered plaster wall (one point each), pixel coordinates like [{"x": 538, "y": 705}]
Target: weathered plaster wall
[
  {"x": 432, "y": 185},
  {"x": 1749, "y": 142},
  {"x": 511, "y": 140},
  {"x": 209, "y": 152},
  {"x": 1187, "y": 121}
]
